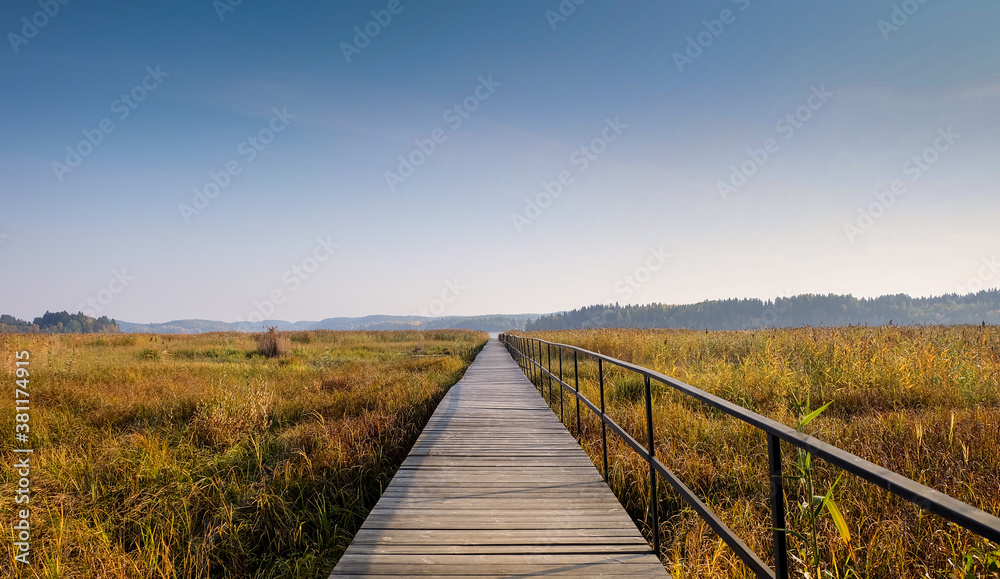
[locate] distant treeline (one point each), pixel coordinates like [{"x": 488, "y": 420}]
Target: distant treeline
[
  {"x": 797, "y": 311},
  {"x": 59, "y": 323}
]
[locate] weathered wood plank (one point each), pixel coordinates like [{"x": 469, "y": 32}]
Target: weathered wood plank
[
  {"x": 439, "y": 549},
  {"x": 496, "y": 487}
]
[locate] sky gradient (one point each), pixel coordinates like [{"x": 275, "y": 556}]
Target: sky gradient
[{"x": 706, "y": 150}]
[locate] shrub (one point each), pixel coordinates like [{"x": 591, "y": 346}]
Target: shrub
[{"x": 272, "y": 343}]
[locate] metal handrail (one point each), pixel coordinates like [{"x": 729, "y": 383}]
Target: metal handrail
[{"x": 951, "y": 509}]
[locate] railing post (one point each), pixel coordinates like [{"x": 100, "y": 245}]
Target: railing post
[
  {"x": 531, "y": 355},
  {"x": 534, "y": 369},
  {"x": 538, "y": 368},
  {"x": 537, "y": 350},
  {"x": 653, "y": 504},
  {"x": 531, "y": 360},
  {"x": 604, "y": 426},
  {"x": 548, "y": 348},
  {"x": 527, "y": 357},
  {"x": 777, "y": 507},
  {"x": 541, "y": 372},
  {"x": 560, "y": 386},
  {"x": 576, "y": 386}
]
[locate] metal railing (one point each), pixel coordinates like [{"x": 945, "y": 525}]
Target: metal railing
[{"x": 525, "y": 350}]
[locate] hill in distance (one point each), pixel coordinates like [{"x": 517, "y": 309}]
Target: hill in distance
[{"x": 487, "y": 323}]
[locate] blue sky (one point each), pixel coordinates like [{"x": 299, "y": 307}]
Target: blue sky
[{"x": 708, "y": 150}]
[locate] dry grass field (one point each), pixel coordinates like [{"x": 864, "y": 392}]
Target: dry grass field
[
  {"x": 163, "y": 456},
  {"x": 923, "y": 402}
]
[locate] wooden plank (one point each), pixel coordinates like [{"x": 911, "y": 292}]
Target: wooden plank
[
  {"x": 557, "y": 549},
  {"x": 511, "y": 502},
  {"x": 501, "y": 537},
  {"x": 495, "y": 486},
  {"x": 517, "y": 559}
]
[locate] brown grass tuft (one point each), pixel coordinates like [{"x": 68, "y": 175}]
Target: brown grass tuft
[{"x": 273, "y": 343}]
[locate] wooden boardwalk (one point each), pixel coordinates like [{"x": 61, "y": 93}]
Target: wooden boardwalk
[{"x": 495, "y": 486}]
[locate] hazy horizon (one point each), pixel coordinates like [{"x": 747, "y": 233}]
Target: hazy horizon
[
  {"x": 427, "y": 314},
  {"x": 193, "y": 160}
]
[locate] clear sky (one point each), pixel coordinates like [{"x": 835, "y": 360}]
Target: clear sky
[{"x": 707, "y": 150}]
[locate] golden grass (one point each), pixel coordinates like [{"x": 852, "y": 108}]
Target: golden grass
[
  {"x": 923, "y": 402},
  {"x": 162, "y": 456}
]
